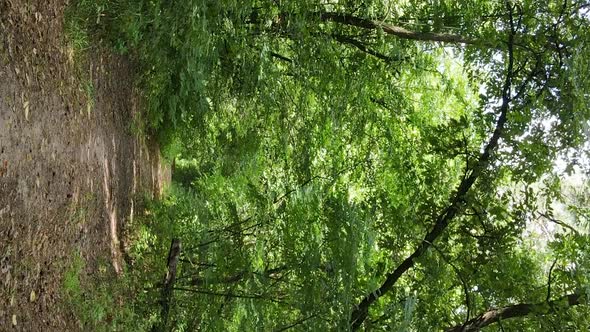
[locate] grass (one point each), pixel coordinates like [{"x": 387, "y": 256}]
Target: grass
[
  {"x": 91, "y": 306},
  {"x": 78, "y": 212},
  {"x": 101, "y": 302},
  {"x": 79, "y": 42},
  {"x": 76, "y": 33}
]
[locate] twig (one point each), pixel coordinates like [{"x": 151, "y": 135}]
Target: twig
[
  {"x": 465, "y": 286},
  {"x": 297, "y": 322},
  {"x": 229, "y": 294},
  {"x": 559, "y": 222}
]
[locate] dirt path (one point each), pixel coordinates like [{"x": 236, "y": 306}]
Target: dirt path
[{"x": 70, "y": 167}]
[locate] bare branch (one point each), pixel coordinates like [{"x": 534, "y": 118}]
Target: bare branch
[
  {"x": 229, "y": 294},
  {"x": 281, "y": 57}
]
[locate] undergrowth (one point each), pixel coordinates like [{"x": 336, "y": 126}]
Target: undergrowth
[
  {"x": 79, "y": 42},
  {"x": 101, "y": 302},
  {"x": 194, "y": 57}
]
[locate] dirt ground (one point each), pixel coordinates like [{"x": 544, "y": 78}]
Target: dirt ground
[{"x": 71, "y": 169}]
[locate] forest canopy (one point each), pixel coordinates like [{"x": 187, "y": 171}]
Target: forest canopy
[{"x": 373, "y": 165}]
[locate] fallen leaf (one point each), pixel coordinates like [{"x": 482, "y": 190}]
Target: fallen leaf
[
  {"x": 26, "y": 107},
  {"x": 33, "y": 296},
  {"x": 14, "y": 320}
]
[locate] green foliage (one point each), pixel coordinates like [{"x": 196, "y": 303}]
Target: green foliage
[
  {"x": 190, "y": 54},
  {"x": 186, "y": 172}
]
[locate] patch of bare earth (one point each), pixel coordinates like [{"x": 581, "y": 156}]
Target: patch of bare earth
[{"x": 70, "y": 168}]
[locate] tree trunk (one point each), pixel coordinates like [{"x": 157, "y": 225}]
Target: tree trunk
[{"x": 168, "y": 285}]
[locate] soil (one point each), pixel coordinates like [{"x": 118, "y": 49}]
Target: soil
[{"x": 72, "y": 171}]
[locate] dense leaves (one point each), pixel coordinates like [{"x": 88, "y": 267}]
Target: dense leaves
[{"x": 377, "y": 165}]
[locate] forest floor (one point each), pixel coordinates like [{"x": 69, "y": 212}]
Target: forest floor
[{"x": 72, "y": 171}]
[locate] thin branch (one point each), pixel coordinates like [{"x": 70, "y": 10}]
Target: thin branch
[
  {"x": 280, "y": 57},
  {"x": 463, "y": 282},
  {"x": 203, "y": 264},
  {"x": 229, "y": 294},
  {"x": 194, "y": 280},
  {"x": 363, "y": 47},
  {"x": 559, "y": 222},
  {"x": 296, "y": 323}
]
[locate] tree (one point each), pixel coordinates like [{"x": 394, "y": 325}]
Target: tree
[{"x": 369, "y": 164}]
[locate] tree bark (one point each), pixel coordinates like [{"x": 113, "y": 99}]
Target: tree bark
[{"x": 515, "y": 311}]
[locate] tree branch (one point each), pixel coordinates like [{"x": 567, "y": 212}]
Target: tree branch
[
  {"x": 395, "y": 30},
  {"x": 168, "y": 285},
  {"x": 515, "y": 311},
  {"x": 281, "y": 57},
  {"x": 229, "y": 295},
  {"x": 296, "y": 323},
  {"x": 199, "y": 281},
  {"x": 362, "y": 47},
  {"x": 463, "y": 282},
  {"x": 559, "y": 222},
  {"x": 549, "y": 281},
  {"x": 361, "y": 311}
]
